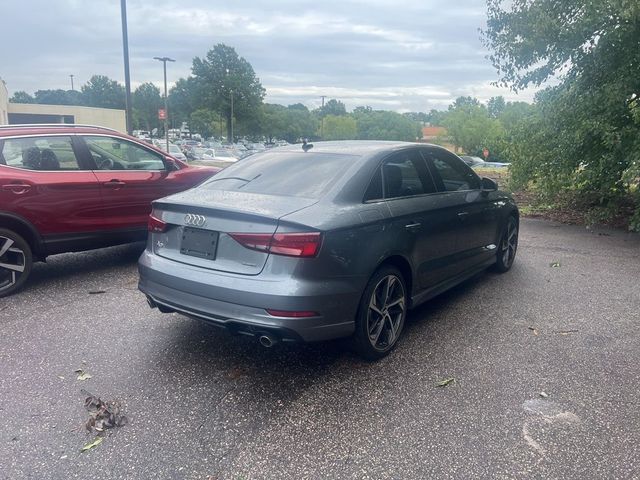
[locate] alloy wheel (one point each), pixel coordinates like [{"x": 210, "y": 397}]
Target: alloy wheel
[
  {"x": 12, "y": 263},
  {"x": 387, "y": 307},
  {"x": 509, "y": 243}
]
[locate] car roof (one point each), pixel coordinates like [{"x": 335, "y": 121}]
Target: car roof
[
  {"x": 47, "y": 129},
  {"x": 353, "y": 147}
]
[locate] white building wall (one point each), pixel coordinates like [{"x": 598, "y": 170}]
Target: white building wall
[
  {"x": 103, "y": 117},
  {"x": 4, "y": 103}
]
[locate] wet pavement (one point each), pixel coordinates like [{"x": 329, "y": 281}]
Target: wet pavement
[{"x": 546, "y": 362}]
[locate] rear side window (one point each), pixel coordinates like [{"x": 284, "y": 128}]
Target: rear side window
[
  {"x": 308, "y": 175},
  {"x": 451, "y": 173},
  {"x": 40, "y": 153},
  {"x": 403, "y": 175}
]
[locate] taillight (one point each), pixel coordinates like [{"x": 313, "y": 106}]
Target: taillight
[
  {"x": 289, "y": 244},
  {"x": 155, "y": 225}
]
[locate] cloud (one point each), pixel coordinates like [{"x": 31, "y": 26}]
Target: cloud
[{"x": 401, "y": 55}]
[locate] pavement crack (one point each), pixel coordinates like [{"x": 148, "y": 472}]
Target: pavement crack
[{"x": 215, "y": 407}]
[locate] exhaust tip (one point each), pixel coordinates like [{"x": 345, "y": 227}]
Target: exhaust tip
[{"x": 267, "y": 341}]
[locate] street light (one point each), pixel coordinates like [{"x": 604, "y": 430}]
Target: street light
[
  {"x": 164, "y": 61},
  {"x": 127, "y": 78}
]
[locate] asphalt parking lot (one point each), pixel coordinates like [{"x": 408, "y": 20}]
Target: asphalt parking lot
[{"x": 203, "y": 404}]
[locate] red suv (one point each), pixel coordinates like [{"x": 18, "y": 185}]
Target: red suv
[{"x": 66, "y": 188}]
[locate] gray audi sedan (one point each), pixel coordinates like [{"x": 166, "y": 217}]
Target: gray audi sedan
[{"x": 315, "y": 242}]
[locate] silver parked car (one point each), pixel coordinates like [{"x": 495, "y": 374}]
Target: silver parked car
[{"x": 333, "y": 240}]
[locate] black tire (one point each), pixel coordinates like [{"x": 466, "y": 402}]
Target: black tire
[
  {"x": 382, "y": 318},
  {"x": 508, "y": 246},
  {"x": 14, "y": 252}
]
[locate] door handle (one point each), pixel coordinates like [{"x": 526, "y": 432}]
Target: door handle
[
  {"x": 413, "y": 227},
  {"x": 115, "y": 183},
  {"x": 462, "y": 215},
  {"x": 17, "y": 188}
]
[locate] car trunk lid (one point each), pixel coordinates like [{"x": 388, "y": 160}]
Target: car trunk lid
[{"x": 199, "y": 224}]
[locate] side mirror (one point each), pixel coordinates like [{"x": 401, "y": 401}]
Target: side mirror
[
  {"x": 171, "y": 165},
  {"x": 489, "y": 185}
]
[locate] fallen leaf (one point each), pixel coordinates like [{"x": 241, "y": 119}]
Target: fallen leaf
[
  {"x": 554, "y": 264},
  {"x": 445, "y": 382},
  {"x": 544, "y": 395},
  {"x": 91, "y": 445},
  {"x": 84, "y": 376},
  {"x": 533, "y": 330}
]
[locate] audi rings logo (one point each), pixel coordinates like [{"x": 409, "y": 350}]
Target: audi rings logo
[{"x": 195, "y": 220}]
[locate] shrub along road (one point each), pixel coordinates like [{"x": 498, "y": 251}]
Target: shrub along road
[{"x": 544, "y": 361}]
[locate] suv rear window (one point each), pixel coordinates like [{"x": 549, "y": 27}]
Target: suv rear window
[
  {"x": 40, "y": 153},
  {"x": 293, "y": 174}
]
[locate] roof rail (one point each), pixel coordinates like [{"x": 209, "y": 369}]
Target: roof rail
[{"x": 58, "y": 125}]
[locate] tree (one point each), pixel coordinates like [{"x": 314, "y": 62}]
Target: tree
[
  {"x": 101, "y": 91},
  {"x": 333, "y": 107},
  {"x": 341, "y": 127},
  {"x": 582, "y": 138},
  {"x": 496, "y": 106},
  {"x": 385, "y": 125},
  {"x": 222, "y": 75},
  {"x": 203, "y": 121},
  {"x": 182, "y": 100},
  {"x": 289, "y": 123},
  {"x": 470, "y": 127},
  {"x": 59, "y": 97},
  {"x": 464, "y": 102},
  {"x": 146, "y": 102},
  {"x": 22, "y": 97}
]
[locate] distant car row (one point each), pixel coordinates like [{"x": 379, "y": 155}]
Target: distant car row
[{"x": 477, "y": 162}]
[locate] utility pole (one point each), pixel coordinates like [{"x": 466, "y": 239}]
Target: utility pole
[
  {"x": 127, "y": 79},
  {"x": 71, "y": 77},
  {"x": 164, "y": 61}
]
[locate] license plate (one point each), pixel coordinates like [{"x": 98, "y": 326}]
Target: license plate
[{"x": 199, "y": 243}]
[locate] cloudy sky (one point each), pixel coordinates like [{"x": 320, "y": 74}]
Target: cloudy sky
[{"x": 395, "y": 55}]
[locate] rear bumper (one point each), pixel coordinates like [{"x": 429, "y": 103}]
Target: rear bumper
[{"x": 239, "y": 302}]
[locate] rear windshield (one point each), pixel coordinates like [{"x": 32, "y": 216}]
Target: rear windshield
[{"x": 293, "y": 174}]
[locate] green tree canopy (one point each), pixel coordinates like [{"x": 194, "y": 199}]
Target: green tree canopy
[
  {"x": 340, "y": 127},
  {"x": 22, "y": 97},
  {"x": 333, "y": 107},
  {"x": 101, "y": 91},
  {"x": 223, "y": 74},
  {"x": 470, "y": 127},
  {"x": 583, "y": 134},
  {"x": 146, "y": 102},
  {"x": 385, "y": 125},
  {"x": 59, "y": 97},
  {"x": 182, "y": 100}
]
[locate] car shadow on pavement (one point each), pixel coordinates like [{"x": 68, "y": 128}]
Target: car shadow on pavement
[{"x": 69, "y": 265}]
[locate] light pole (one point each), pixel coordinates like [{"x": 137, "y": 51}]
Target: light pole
[
  {"x": 127, "y": 79},
  {"x": 164, "y": 61},
  {"x": 231, "y": 129},
  {"x": 232, "y": 142},
  {"x": 71, "y": 77}
]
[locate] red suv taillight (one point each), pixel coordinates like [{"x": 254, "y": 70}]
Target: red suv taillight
[
  {"x": 155, "y": 225},
  {"x": 289, "y": 244}
]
